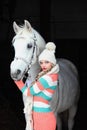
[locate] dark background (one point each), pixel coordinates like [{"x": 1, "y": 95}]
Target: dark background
[{"x": 63, "y": 22}]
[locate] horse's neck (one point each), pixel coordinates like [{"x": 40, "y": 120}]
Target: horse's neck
[{"x": 35, "y": 69}]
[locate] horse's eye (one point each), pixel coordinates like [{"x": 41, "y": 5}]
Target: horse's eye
[{"x": 29, "y": 46}]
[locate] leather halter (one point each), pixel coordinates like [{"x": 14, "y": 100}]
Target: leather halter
[{"x": 28, "y": 63}]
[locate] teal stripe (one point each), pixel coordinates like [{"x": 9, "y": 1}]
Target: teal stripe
[
  {"x": 39, "y": 109},
  {"x": 44, "y": 96},
  {"x": 32, "y": 92},
  {"x": 44, "y": 83},
  {"x": 53, "y": 87},
  {"x": 23, "y": 89}
]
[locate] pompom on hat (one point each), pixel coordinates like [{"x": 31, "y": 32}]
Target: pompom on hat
[{"x": 48, "y": 53}]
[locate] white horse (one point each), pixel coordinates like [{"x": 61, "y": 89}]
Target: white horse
[{"x": 28, "y": 44}]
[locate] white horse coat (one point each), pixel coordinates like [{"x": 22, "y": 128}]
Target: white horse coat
[{"x": 28, "y": 44}]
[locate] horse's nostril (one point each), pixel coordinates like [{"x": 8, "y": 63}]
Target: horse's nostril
[{"x": 18, "y": 71}]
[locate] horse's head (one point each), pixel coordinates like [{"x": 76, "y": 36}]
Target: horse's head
[{"x": 28, "y": 44}]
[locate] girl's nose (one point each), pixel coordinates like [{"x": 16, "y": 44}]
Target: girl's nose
[{"x": 43, "y": 65}]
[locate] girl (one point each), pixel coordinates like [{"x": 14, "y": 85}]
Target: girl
[{"x": 43, "y": 89}]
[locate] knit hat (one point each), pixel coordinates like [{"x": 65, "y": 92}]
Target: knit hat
[{"x": 48, "y": 53}]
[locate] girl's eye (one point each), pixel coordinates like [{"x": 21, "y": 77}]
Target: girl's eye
[
  {"x": 46, "y": 62},
  {"x": 41, "y": 63},
  {"x": 29, "y": 46}
]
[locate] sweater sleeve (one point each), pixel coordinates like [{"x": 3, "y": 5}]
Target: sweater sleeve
[{"x": 39, "y": 86}]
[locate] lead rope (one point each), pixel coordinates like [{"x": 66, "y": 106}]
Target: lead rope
[{"x": 29, "y": 104}]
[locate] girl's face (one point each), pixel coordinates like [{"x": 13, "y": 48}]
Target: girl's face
[{"x": 45, "y": 65}]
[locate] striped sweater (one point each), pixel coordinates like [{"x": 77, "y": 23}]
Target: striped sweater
[{"x": 42, "y": 90}]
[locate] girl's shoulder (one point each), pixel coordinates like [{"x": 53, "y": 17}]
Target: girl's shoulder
[{"x": 53, "y": 77}]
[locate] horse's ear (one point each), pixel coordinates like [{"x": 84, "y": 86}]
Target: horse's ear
[
  {"x": 28, "y": 25},
  {"x": 16, "y": 27}
]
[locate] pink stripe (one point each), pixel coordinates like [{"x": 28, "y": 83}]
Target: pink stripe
[
  {"x": 54, "y": 77},
  {"x": 39, "y": 85},
  {"x": 50, "y": 90},
  {"x": 19, "y": 84},
  {"x": 40, "y": 99}
]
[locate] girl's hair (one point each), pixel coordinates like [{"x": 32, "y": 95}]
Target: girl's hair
[{"x": 41, "y": 73}]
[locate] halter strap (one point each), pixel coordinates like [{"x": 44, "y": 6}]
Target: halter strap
[{"x": 28, "y": 64}]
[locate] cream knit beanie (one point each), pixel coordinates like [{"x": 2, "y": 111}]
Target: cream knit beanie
[{"x": 48, "y": 53}]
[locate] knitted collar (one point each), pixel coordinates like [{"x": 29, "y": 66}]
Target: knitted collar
[{"x": 55, "y": 69}]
